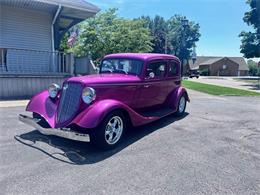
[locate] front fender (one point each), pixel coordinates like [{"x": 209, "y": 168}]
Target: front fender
[
  {"x": 93, "y": 115},
  {"x": 42, "y": 104},
  {"x": 174, "y": 97}
]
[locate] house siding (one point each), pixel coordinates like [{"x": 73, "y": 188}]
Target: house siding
[
  {"x": 243, "y": 73},
  {"x": 23, "y": 87},
  {"x": 26, "y": 29}
]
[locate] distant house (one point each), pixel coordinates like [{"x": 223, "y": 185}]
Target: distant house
[
  {"x": 30, "y": 35},
  {"x": 220, "y": 66}
]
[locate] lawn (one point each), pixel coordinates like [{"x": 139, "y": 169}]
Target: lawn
[{"x": 217, "y": 90}]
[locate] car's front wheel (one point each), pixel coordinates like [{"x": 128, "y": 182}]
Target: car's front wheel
[
  {"x": 110, "y": 132},
  {"x": 181, "y": 106}
]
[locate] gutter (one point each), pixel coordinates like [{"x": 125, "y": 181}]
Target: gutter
[{"x": 92, "y": 8}]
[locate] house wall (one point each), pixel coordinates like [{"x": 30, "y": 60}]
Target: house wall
[
  {"x": 26, "y": 29},
  {"x": 84, "y": 66},
  {"x": 23, "y": 87},
  {"x": 216, "y": 69},
  {"x": 243, "y": 72}
]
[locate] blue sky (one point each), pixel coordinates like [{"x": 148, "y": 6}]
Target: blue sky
[{"x": 220, "y": 20}]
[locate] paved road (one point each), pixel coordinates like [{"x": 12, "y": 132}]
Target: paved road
[
  {"x": 228, "y": 82},
  {"x": 214, "y": 149}
]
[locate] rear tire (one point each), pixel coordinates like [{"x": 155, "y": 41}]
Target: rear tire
[
  {"x": 181, "y": 106},
  {"x": 110, "y": 131}
]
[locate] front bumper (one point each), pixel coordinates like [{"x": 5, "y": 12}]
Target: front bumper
[{"x": 57, "y": 132}]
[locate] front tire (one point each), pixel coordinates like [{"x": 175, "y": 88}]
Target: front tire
[
  {"x": 181, "y": 106},
  {"x": 110, "y": 132}
]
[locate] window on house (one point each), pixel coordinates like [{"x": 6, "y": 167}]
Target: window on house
[{"x": 3, "y": 57}]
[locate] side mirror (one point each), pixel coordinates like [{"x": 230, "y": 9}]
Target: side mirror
[{"x": 151, "y": 75}]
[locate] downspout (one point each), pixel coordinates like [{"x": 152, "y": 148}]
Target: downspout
[
  {"x": 52, "y": 26},
  {"x": 52, "y": 36}
]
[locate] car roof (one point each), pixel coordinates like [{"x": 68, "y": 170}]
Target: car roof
[{"x": 143, "y": 56}]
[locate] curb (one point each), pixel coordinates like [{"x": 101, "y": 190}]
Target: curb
[{"x": 13, "y": 103}]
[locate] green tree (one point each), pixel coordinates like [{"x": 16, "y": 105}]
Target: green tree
[
  {"x": 253, "y": 68},
  {"x": 250, "y": 46},
  {"x": 169, "y": 36},
  {"x": 64, "y": 43},
  {"x": 107, "y": 33},
  {"x": 182, "y": 38},
  {"x": 158, "y": 28}
]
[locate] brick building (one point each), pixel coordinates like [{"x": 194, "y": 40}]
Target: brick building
[{"x": 220, "y": 66}]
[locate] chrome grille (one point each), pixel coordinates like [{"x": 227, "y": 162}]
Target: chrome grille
[{"x": 69, "y": 101}]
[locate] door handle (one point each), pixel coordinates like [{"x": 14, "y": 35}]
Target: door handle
[{"x": 146, "y": 86}]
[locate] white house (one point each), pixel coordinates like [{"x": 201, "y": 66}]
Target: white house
[{"x": 30, "y": 34}]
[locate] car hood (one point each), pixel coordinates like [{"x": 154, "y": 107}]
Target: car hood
[{"x": 105, "y": 79}]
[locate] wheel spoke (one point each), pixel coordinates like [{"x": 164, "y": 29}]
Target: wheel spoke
[
  {"x": 115, "y": 130},
  {"x": 110, "y": 137},
  {"x": 115, "y": 123},
  {"x": 110, "y": 124}
]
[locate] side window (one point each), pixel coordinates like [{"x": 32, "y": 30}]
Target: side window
[
  {"x": 157, "y": 68},
  {"x": 173, "y": 69}
]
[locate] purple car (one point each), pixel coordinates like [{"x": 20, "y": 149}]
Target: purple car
[{"x": 131, "y": 89}]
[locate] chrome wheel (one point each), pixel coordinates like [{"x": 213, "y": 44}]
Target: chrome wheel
[
  {"x": 114, "y": 129},
  {"x": 182, "y": 104}
]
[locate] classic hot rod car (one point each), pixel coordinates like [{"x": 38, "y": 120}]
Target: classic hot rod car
[{"x": 130, "y": 89}]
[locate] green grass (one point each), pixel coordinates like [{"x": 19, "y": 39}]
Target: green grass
[{"x": 217, "y": 90}]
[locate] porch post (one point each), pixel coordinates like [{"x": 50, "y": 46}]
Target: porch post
[{"x": 70, "y": 63}]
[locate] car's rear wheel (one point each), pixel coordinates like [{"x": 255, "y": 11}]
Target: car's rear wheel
[
  {"x": 181, "y": 106},
  {"x": 110, "y": 132}
]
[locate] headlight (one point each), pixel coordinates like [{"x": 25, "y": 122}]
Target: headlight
[
  {"x": 88, "y": 95},
  {"x": 53, "y": 90}
]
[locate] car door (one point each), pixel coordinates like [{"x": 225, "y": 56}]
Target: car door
[
  {"x": 154, "y": 88},
  {"x": 173, "y": 75}
]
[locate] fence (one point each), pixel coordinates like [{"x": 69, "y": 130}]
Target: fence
[{"x": 19, "y": 61}]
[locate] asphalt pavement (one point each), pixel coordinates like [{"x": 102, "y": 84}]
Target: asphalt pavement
[{"x": 213, "y": 149}]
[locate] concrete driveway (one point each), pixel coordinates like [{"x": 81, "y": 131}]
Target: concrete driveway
[
  {"x": 227, "y": 82},
  {"x": 214, "y": 149}
]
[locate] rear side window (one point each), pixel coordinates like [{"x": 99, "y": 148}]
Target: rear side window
[
  {"x": 158, "y": 68},
  {"x": 173, "y": 69}
]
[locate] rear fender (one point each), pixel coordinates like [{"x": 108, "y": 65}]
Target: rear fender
[{"x": 174, "y": 97}]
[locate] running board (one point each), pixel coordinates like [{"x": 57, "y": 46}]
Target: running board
[{"x": 160, "y": 112}]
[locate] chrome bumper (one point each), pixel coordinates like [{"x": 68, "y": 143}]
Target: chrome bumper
[{"x": 58, "y": 132}]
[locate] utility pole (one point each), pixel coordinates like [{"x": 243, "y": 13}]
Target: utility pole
[
  {"x": 259, "y": 75},
  {"x": 165, "y": 44},
  {"x": 184, "y": 23}
]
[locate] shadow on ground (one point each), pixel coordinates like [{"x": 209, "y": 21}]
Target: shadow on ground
[
  {"x": 79, "y": 153},
  {"x": 252, "y": 86}
]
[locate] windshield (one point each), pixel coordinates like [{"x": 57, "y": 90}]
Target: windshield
[{"x": 120, "y": 65}]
